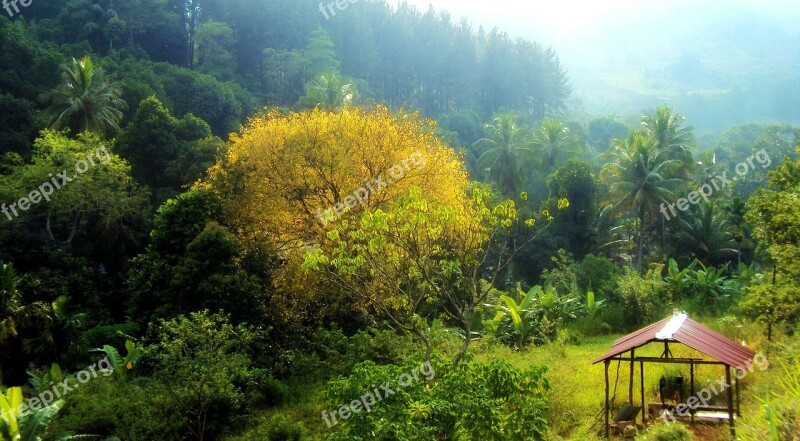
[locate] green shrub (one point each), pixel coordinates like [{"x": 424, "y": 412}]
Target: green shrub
[
  {"x": 473, "y": 401},
  {"x": 114, "y": 335},
  {"x": 598, "y": 274},
  {"x": 329, "y": 352},
  {"x": 265, "y": 390},
  {"x": 114, "y": 406},
  {"x": 641, "y": 298},
  {"x": 281, "y": 428},
  {"x": 667, "y": 432}
]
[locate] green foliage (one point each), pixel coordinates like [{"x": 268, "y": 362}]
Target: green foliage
[
  {"x": 329, "y": 352},
  {"x": 213, "y": 56},
  {"x": 265, "y": 390},
  {"x": 552, "y": 142},
  {"x": 330, "y": 91},
  {"x": 120, "y": 365},
  {"x": 166, "y": 153},
  {"x": 776, "y": 215},
  {"x": 223, "y": 105},
  {"x": 777, "y": 416},
  {"x": 772, "y": 304},
  {"x": 201, "y": 358},
  {"x": 562, "y": 278},
  {"x": 28, "y": 425},
  {"x": 115, "y": 335},
  {"x": 147, "y": 412},
  {"x": 641, "y": 298},
  {"x": 282, "y": 428},
  {"x": 677, "y": 281},
  {"x": 101, "y": 206},
  {"x": 507, "y": 151},
  {"x": 85, "y": 101},
  {"x": 575, "y": 181},
  {"x": 667, "y": 432},
  {"x": 493, "y": 401},
  {"x": 321, "y": 54},
  {"x": 193, "y": 263},
  {"x": 15, "y": 313},
  {"x": 704, "y": 234},
  {"x": 706, "y": 288},
  {"x": 603, "y": 130},
  {"x": 536, "y": 318},
  {"x": 598, "y": 274},
  {"x": 18, "y": 130}
]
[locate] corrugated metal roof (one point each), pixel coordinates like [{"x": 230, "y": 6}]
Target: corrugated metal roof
[{"x": 688, "y": 332}]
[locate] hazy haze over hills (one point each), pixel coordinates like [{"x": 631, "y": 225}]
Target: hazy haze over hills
[{"x": 720, "y": 64}]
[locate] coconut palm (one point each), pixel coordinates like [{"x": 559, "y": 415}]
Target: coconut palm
[
  {"x": 13, "y": 313},
  {"x": 508, "y": 151},
  {"x": 639, "y": 180},
  {"x": 669, "y": 135},
  {"x": 330, "y": 91},
  {"x": 554, "y": 142},
  {"x": 85, "y": 101},
  {"x": 705, "y": 234}
]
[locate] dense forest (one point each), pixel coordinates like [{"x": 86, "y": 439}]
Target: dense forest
[{"x": 222, "y": 219}]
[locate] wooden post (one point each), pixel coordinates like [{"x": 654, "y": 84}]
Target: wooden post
[
  {"x": 691, "y": 387},
  {"x": 605, "y": 404},
  {"x": 738, "y": 408},
  {"x": 644, "y": 405},
  {"x": 730, "y": 399},
  {"x": 630, "y": 384}
]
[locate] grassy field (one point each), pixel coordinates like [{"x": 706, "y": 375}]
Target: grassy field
[{"x": 577, "y": 389}]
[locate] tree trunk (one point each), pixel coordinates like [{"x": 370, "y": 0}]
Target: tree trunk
[
  {"x": 465, "y": 345},
  {"x": 640, "y": 245}
]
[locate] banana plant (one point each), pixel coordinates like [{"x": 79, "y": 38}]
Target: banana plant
[
  {"x": 520, "y": 313},
  {"x": 54, "y": 375},
  {"x": 31, "y": 425},
  {"x": 709, "y": 284},
  {"x": 25, "y": 426},
  {"x": 593, "y": 306},
  {"x": 677, "y": 280},
  {"x": 745, "y": 273},
  {"x": 122, "y": 364}
]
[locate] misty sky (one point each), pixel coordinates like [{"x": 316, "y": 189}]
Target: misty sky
[{"x": 576, "y": 27}]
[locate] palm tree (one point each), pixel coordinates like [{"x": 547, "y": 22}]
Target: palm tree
[
  {"x": 554, "y": 141},
  {"x": 13, "y": 313},
  {"x": 670, "y": 136},
  {"x": 508, "y": 151},
  {"x": 330, "y": 91},
  {"x": 85, "y": 102},
  {"x": 62, "y": 335},
  {"x": 706, "y": 236},
  {"x": 639, "y": 180}
]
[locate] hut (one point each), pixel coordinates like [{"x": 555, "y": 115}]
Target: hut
[{"x": 680, "y": 329}]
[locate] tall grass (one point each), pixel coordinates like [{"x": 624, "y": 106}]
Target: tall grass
[
  {"x": 774, "y": 413},
  {"x": 577, "y": 387}
]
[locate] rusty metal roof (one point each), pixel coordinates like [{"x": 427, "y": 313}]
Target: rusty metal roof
[{"x": 680, "y": 328}]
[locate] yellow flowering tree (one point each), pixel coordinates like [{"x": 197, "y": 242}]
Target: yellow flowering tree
[
  {"x": 288, "y": 178},
  {"x": 423, "y": 258}
]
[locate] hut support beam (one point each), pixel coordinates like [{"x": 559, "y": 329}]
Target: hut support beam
[
  {"x": 730, "y": 400},
  {"x": 641, "y": 383},
  {"x": 606, "y": 402}
]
